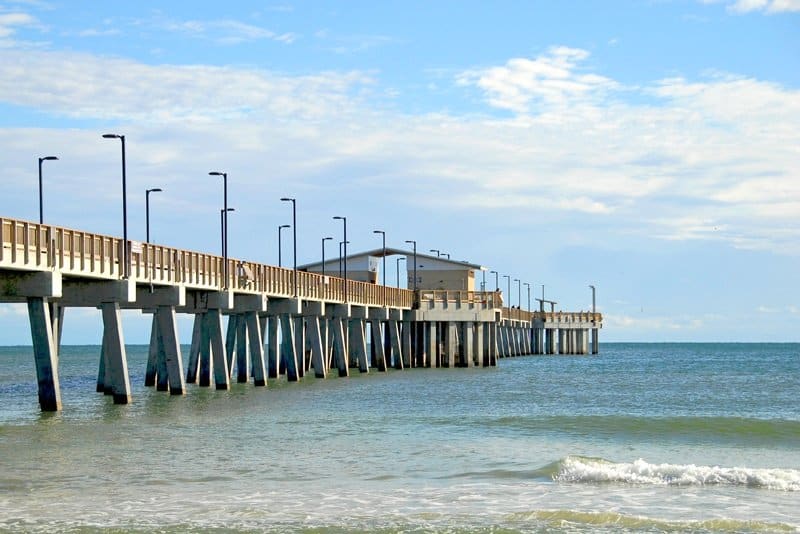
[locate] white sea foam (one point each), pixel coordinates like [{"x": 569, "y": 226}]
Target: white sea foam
[{"x": 595, "y": 470}]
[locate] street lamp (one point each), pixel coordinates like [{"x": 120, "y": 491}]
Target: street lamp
[
  {"x": 519, "y": 293},
  {"x": 41, "y": 211},
  {"x": 280, "y": 248},
  {"x": 509, "y": 288},
  {"x": 411, "y": 241},
  {"x": 294, "y": 240},
  {"x": 383, "y": 235},
  {"x": 147, "y": 210},
  {"x": 397, "y": 265},
  {"x": 483, "y": 280},
  {"x": 341, "y": 244},
  {"x": 323, "y": 253},
  {"x": 446, "y": 254},
  {"x": 225, "y": 224},
  {"x": 126, "y": 256},
  {"x": 593, "y": 301},
  {"x": 438, "y": 252},
  {"x": 496, "y": 281},
  {"x": 526, "y": 284},
  {"x": 344, "y": 221}
]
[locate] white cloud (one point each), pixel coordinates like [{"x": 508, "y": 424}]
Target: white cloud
[
  {"x": 551, "y": 79},
  {"x": 749, "y": 6},
  {"x": 227, "y": 31},
  {"x": 10, "y": 21}
]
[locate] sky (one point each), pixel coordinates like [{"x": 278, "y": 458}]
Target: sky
[{"x": 650, "y": 148}]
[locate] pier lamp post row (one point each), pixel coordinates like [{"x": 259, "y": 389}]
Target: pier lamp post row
[
  {"x": 383, "y": 235},
  {"x": 344, "y": 241},
  {"x": 222, "y": 228},
  {"x": 126, "y": 248},
  {"x": 323, "y": 253},
  {"x": 41, "y": 201},
  {"x": 147, "y": 211},
  {"x": 224, "y": 224},
  {"x": 397, "y": 265},
  {"x": 294, "y": 240},
  {"x": 413, "y": 242},
  {"x": 526, "y": 284},
  {"x": 280, "y": 246}
]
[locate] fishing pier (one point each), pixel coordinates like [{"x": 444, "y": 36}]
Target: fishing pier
[{"x": 280, "y": 322}]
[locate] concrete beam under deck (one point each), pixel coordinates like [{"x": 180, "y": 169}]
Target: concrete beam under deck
[
  {"x": 17, "y": 286},
  {"x": 93, "y": 293}
]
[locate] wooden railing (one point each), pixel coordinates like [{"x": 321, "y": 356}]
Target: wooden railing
[
  {"x": 31, "y": 246},
  {"x": 568, "y": 317},
  {"x": 484, "y": 299}
]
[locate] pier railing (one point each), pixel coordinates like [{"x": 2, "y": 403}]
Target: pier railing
[
  {"x": 31, "y": 246},
  {"x": 479, "y": 299}
]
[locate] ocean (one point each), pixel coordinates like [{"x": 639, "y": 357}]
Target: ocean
[{"x": 640, "y": 438}]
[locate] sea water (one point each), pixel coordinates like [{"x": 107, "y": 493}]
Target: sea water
[{"x": 642, "y": 438}]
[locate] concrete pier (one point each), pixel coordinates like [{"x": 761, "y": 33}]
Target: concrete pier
[{"x": 276, "y": 328}]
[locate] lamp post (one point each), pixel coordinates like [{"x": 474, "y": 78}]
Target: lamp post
[
  {"x": 41, "y": 210},
  {"x": 508, "y": 278},
  {"x": 594, "y": 310},
  {"x": 496, "y": 281},
  {"x": 323, "y": 253},
  {"x": 125, "y": 254},
  {"x": 294, "y": 241},
  {"x": 280, "y": 247},
  {"x": 483, "y": 280},
  {"x": 519, "y": 293},
  {"x": 147, "y": 210},
  {"x": 411, "y": 241},
  {"x": 344, "y": 222},
  {"x": 397, "y": 265},
  {"x": 438, "y": 252},
  {"x": 383, "y": 236},
  {"x": 224, "y": 224},
  {"x": 446, "y": 254},
  {"x": 526, "y": 284}
]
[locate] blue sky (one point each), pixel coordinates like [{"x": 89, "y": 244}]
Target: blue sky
[{"x": 649, "y": 148}]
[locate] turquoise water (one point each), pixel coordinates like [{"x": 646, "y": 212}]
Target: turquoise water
[{"x": 643, "y": 438}]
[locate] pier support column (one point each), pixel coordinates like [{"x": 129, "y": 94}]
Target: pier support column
[
  {"x": 478, "y": 344},
  {"x": 467, "y": 341},
  {"x": 562, "y": 341},
  {"x": 493, "y": 344},
  {"x": 317, "y": 350},
  {"x": 376, "y": 328},
  {"x": 273, "y": 348},
  {"x": 431, "y": 357},
  {"x": 450, "y": 344},
  {"x": 116, "y": 361},
  {"x": 595, "y": 340},
  {"x": 394, "y": 340},
  {"x": 44, "y": 352},
  {"x": 151, "y": 370},
  {"x": 204, "y": 378},
  {"x": 218, "y": 355},
  {"x": 300, "y": 345},
  {"x": 552, "y": 335},
  {"x": 256, "y": 343},
  {"x": 242, "y": 350},
  {"x": 230, "y": 340},
  {"x": 340, "y": 352},
  {"x": 358, "y": 345},
  {"x": 288, "y": 352},
  {"x": 405, "y": 333},
  {"x": 169, "y": 351},
  {"x": 194, "y": 350}
]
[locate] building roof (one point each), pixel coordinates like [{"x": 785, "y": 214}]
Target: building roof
[{"x": 378, "y": 252}]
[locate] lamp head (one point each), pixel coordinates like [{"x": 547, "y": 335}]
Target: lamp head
[
  {"x": 337, "y": 217},
  {"x": 378, "y": 232},
  {"x": 154, "y": 190},
  {"x": 284, "y": 226},
  {"x": 113, "y": 136},
  {"x": 217, "y": 173},
  {"x": 327, "y": 238},
  {"x": 287, "y": 199},
  {"x": 48, "y": 158},
  {"x": 229, "y": 209}
]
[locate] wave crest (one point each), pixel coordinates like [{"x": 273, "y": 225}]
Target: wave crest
[{"x": 598, "y": 470}]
